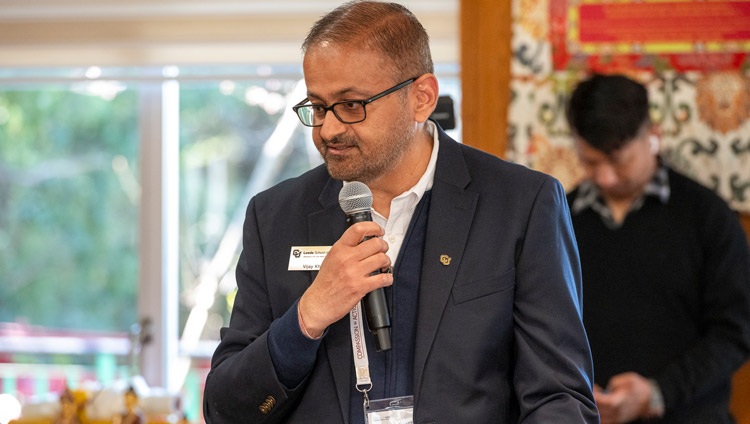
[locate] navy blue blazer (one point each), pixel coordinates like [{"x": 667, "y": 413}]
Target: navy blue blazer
[{"x": 499, "y": 332}]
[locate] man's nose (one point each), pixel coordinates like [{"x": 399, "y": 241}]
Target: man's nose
[
  {"x": 331, "y": 126},
  {"x": 605, "y": 176}
]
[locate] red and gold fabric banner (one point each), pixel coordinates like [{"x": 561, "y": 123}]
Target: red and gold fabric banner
[{"x": 679, "y": 34}]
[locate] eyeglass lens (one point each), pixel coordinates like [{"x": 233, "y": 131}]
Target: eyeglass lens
[{"x": 346, "y": 112}]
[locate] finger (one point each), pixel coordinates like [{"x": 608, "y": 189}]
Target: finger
[
  {"x": 608, "y": 412},
  {"x": 375, "y": 262},
  {"x": 601, "y": 397},
  {"x": 623, "y": 380},
  {"x": 360, "y": 260},
  {"x": 356, "y": 233},
  {"x": 346, "y": 253},
  {"x": 376, "y": 281},
  {"x": 371, "y": 247}
]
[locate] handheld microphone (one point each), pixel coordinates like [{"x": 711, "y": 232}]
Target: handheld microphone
[{"x": 355, "y": 199}]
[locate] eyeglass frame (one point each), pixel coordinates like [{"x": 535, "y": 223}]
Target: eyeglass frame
[{"x": 364, "y": 103}]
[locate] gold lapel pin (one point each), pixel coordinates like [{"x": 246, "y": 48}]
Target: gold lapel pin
[{"x": 445, "y": 260}]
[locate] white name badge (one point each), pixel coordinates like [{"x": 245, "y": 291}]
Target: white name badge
[
  {"x": 390, "y": 411},
  {"x": 307, "y": 258}
]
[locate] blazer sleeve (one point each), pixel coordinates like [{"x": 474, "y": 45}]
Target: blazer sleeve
[
  {"x": 554, "y": 368},
  {"x": 243, "y": 385}
]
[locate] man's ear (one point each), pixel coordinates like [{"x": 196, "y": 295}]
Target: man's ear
[{"x": 427, "y": 92}]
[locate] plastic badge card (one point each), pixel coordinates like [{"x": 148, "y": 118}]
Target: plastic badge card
[{"x": 399, "y": 410}]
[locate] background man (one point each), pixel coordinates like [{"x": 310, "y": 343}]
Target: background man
[{"x": 666, "y": 268}]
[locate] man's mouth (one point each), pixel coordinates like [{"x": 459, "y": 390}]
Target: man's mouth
[{"x": 338, "y": 148}]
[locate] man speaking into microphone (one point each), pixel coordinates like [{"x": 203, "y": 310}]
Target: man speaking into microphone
[{"x": 481, "y": 293}]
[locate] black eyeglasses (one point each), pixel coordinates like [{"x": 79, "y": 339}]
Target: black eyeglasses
[{"x": 347, "y": 111}]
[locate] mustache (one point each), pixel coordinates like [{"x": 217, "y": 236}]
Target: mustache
[{"x": 340, "y": 142}]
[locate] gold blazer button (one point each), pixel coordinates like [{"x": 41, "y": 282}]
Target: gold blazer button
[{"x": 267, "y": 405}]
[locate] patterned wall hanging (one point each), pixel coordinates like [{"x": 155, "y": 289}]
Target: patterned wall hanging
[{"x": 694, "y": 57}]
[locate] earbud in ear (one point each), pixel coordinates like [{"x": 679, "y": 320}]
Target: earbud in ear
[{"x": 654, "y": 140}]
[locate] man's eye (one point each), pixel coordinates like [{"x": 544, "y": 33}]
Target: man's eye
[{"x": 350, "y": 106}]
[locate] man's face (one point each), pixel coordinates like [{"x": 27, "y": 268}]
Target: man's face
[
  {"x": 131, "y": 400},
  {"x": 366, "y": 150},
  {"x": 622, "y": 174}
]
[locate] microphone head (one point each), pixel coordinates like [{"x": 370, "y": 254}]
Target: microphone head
[{"x": 355, "y": 197}]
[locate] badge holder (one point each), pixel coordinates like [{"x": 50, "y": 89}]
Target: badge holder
[{"x": 398, "y": 410}]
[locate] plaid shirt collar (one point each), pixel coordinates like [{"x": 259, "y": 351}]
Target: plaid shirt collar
[{"x": 589, "y": 196}]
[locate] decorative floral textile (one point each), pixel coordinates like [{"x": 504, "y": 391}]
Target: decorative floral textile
[{"x": 700, "y": 99}]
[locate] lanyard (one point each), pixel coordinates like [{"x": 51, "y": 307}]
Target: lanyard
[{"x": 359, "y": 351}]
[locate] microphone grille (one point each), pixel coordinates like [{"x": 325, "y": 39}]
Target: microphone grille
[{"x": 355, "y": 196}]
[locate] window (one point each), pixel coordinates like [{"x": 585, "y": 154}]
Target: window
[{"x": 69, "y": 216}]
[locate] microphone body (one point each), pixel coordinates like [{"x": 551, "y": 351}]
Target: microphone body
[{"x": 374, "y": 303}]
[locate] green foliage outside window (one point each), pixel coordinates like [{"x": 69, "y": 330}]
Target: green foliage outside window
[{"x": 68, "y": 208}]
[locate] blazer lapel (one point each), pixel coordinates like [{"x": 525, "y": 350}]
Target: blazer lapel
[
  {"x": 324, "y": 228},
  {"x": 451, "y": 212}
]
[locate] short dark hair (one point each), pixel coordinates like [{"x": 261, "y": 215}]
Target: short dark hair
[
  {"x": 388, "y": 28},
  {"x": 608, "y": 111}
]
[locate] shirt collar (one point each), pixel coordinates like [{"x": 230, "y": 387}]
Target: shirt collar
[
  {"x": 659, "y": 185},
  {"x": 589, "y": 195},
  {"x": 425, "y": 182}
]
